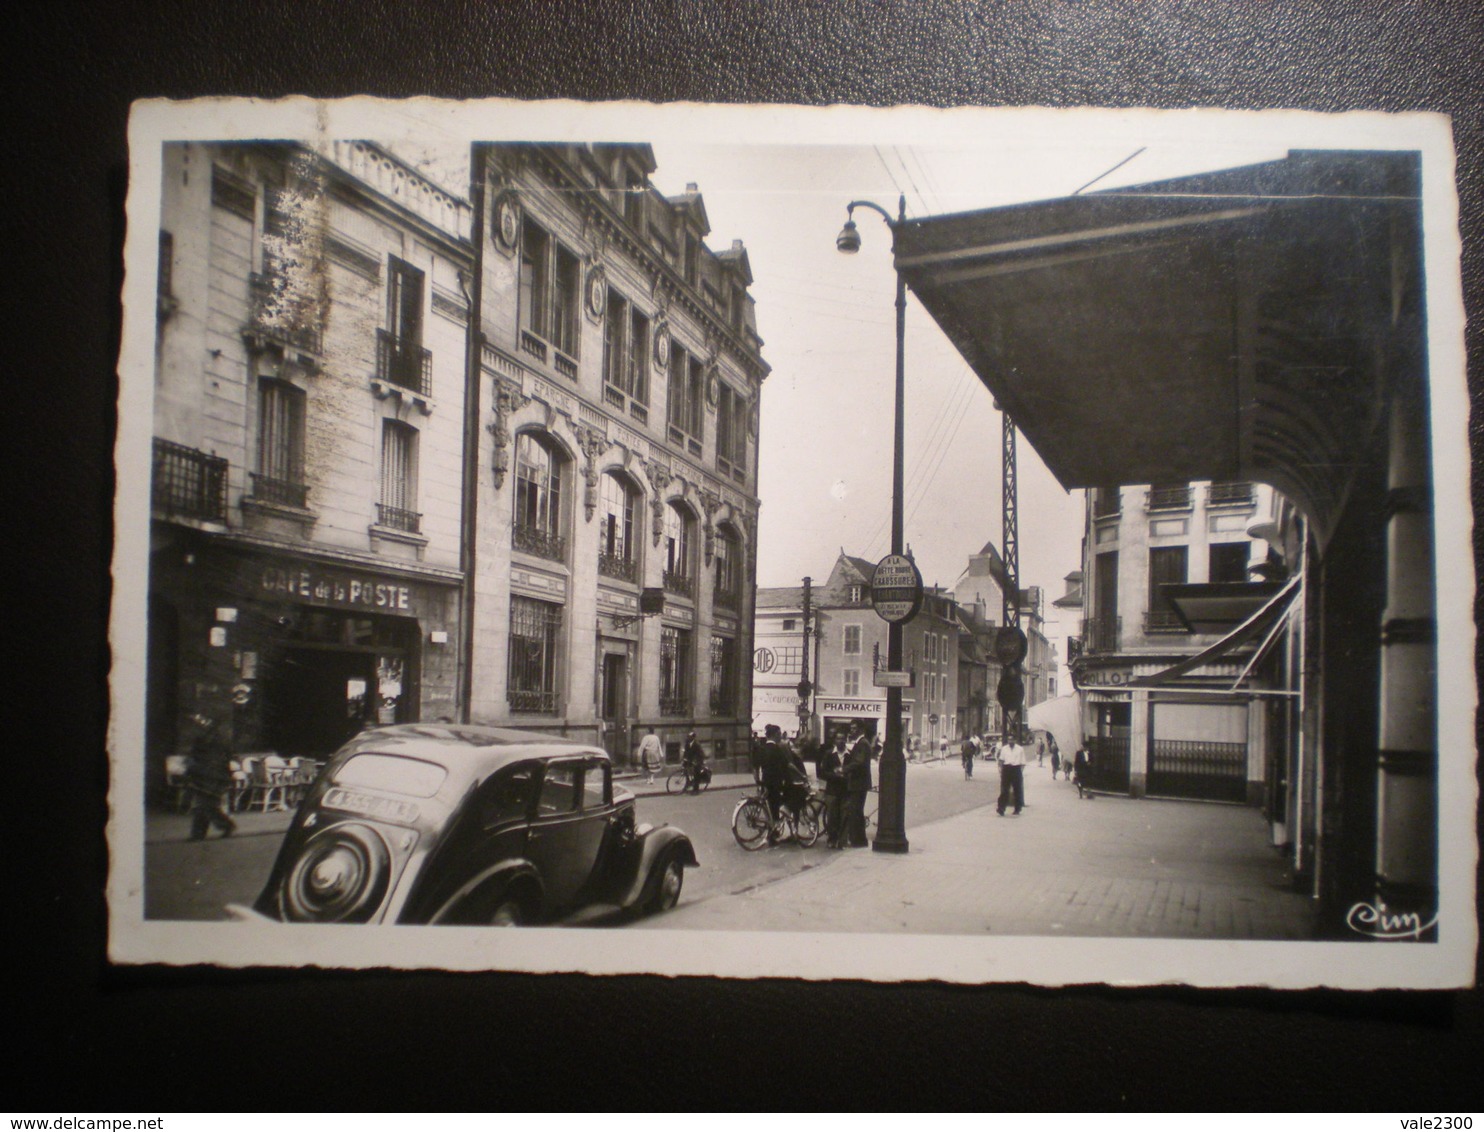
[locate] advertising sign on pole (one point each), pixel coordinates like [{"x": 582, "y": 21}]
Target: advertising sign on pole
[{"x": 896, "y": 588}]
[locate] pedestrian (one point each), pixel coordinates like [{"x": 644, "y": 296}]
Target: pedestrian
[
  {"x": 857, "y": 786},
  {"x": 1055, "y": 757},
  {"x": 832, "y": 771},
  {"x": 209, "y": 777},
  {"x": 651, "y": 754},
  {"x": 1040, "y": 749},
  {"x": 1081, "y": 761},
  {"x": 943, "y": 748},
  {"x": 693, "y": 759},
  {"x": 778, "y": 774},
  {"x": 1012, "y": 773},
  {"x": 967, "y": 753}
]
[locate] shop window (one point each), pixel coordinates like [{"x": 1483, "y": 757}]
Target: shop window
[
  {"x": 617, "y": 542},
  {"x": 280, "y": 475},
  {"x": 679, "y": 551},
  {"x": 398, "y": 506},
  {"x": 675, "y": 671},
  {"x": 540, "y": 475},
  {"x": 535, "y": 628}
]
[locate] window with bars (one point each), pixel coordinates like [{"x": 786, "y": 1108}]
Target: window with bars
[
  {"x": 535, "y": 637},
  {"x": 675, "y": 666},
  {"x": 617, "y": 545},
  {"x": 723, "y": 675},
  {"x": 280, "y": 474},
  {"x": 539, "y": 476},
  {"x": 398, "y": 505},
  {"x": 400, "y": 357},
  {"x": 679, "y": 528},
  {"x": 728, "y": 559}
]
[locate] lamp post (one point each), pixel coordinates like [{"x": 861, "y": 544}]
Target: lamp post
[{"x": 891, "y": 831}]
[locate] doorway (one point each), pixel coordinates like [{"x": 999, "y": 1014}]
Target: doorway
[{"x": 615, "y": 705}]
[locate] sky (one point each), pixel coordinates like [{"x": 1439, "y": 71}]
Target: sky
[{"x": 828, "y": 330}]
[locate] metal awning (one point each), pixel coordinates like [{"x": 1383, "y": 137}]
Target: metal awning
[
  {"x": 1263, "y": 624},
  {"x": 1214, "y": 607},
  {"x": 1239, "y": 325}
]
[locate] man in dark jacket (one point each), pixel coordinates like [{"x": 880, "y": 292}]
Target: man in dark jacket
[
  {"x": 832, "y": 773},
  {"x": 209, "y": 778},
  {"x": 857, "y": 785}
]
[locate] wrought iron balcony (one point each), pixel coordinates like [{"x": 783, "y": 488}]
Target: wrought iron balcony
[
  {"x": 1106, "y": 502},
  {"x": 617, "y": 566},
  {"x": 1102, "y": 634},
  {"x": 532, "y": 702},
  {"x": 1163, "y": 621},
  {"x": 399, "y": 519},
  {"x": 188, "y": 483},
  {"x": 538, "y": 541},
  {"x": 285, "y": 493},
  {"x": 677, "y": 704},
  {"x": 1219, "y": 494},
  {"x": 1170, "y": 498},
  {"x": 679, "y": 584},
  {"x": 404, "y": 363},
  {"x": 726, "y": 598}
]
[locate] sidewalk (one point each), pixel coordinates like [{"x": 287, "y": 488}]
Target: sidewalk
[
  {"x": 166, "y": 825},
  {"x": 1110, "y": 866}
]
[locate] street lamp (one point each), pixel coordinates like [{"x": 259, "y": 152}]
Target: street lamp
[{"x": 891, "y": 814}]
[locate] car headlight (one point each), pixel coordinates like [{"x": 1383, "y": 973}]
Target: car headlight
[{"x": 340, "y": 877}]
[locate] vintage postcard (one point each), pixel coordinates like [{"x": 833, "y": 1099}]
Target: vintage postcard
[{"x": 969, "y": 545}]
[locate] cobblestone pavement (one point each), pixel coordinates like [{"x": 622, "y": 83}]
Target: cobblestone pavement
[{"x": 1109, "y": 866}]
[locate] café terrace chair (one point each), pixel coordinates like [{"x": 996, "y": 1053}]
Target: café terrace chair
[{"x": 266, "y": 788}]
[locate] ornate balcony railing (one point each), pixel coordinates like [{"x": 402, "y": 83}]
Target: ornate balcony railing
[
  {"x": 285, "y": 493},
  {"x": 678, "y": 584},
  {"x": 533, "y": 345},
  {"x": 677, "y": 704},
  {"x": 566, "y": 366},
  {"x": 617, "y": 566},
  {"x": 1229, "y": 493},
  {"x": 726, "y": 599},
  {"x": 532, "y": 702},
  {"x": 1163, "y": 621},
  {"x": 1102, "y": 634},
  {"x": 1169, "y": 498},
  {"x": 399, "y": 519},
  {"x": 399, "y": 362},
  {"x": 540, "y": 542},
  {"x": 188, "y": 483}
]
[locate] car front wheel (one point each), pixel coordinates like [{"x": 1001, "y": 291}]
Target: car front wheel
[
  {"x": 668, "y": 885},
  {"x": 508, "y": 913}
]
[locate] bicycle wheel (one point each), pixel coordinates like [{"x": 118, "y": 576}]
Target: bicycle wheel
[
  {"x": 750, "y": 823},
  {"x": 809, "y": 822},
  {"x": 705, "y": 778},
  {"x": 675, "y": 783}
]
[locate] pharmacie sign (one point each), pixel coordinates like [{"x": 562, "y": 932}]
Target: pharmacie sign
[{"x": 352, "y": 591}]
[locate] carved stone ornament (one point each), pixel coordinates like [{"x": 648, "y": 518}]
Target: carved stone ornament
[
  {"x": 753, "y": 416},
  {"x": 593, "y": 444},
  {"x": 662, "y": 346},
  {"x": 506, "y": 225},
  {"x": 508, "y": 401},
  {"x": 711, "y": 504},
  {"x": 659, "y": 478},
  {"x": 713, "y": 385},
  {"x": 597, "y": 291}
]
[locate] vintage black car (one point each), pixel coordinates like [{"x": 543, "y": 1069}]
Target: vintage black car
[{"x": 460, "y": 824}]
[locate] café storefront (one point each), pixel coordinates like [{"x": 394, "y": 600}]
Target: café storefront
[{"x": 298, "y": 652}]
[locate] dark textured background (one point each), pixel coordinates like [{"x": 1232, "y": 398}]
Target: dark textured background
[{"x": 96, "y": 1038}]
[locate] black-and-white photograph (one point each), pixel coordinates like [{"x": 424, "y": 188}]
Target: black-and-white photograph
[{"x": 1000, "y": 544}]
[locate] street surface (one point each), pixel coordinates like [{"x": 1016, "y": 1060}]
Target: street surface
[{"x": 1109, "y": 866}]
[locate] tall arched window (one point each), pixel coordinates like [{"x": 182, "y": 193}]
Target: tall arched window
[
  {"x": 679, "y": 528},
  {"x": 618, "y": 544},
  {"x": 727, "y": 592},
  {"x": 540, "y": 474}
]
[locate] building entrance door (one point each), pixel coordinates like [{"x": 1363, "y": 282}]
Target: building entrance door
[
  {"x": 615, "y": 706},
  {"x": 316, "y": 699}
]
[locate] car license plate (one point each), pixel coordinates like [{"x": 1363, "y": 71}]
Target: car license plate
[{"x": 371, "y": 805}]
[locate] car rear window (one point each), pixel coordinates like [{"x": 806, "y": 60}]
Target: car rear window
[{"x": 413, "y": 777}]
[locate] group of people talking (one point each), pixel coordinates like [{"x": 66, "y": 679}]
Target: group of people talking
[{"x": 843, "y": 765}]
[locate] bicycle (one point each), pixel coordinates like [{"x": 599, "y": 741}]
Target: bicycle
[
  {"x": 753, "y": 823},
  {"x": 680, "y": 779}
]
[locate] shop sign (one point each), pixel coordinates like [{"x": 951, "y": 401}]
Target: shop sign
[
  {"x": 852, "y": 707},
  {"x": 1104, "y": 677},
  {"x": 337, "y": 589}
]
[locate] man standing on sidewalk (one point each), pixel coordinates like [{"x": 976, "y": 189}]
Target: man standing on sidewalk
[
  {"x": 857, "y": 786},
  {"x": 1012, "y": 773}
]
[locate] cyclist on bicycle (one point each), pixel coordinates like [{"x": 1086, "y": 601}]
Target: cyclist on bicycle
[
  {"x": 782, "y": 780},
  {"x": 693, "y": 759}
]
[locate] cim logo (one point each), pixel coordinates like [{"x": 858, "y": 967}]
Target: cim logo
[{"x": 1379, "y": 922}]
